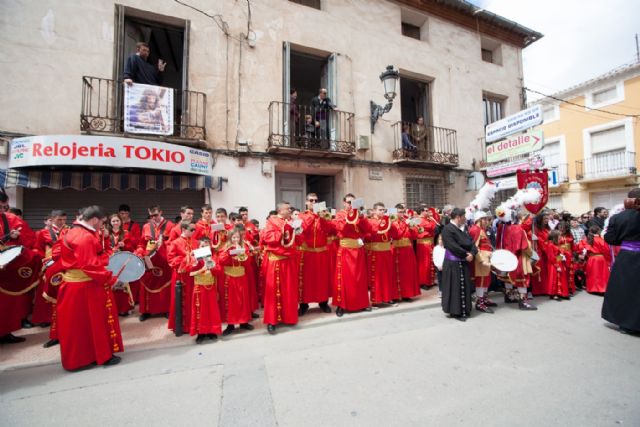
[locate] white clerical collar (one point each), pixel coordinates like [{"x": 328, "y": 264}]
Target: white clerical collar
[{"x": 86, "y": 225}]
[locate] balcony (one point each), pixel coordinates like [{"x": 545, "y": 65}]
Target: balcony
[
  {"x": 314, "y": 133},
  {"x": 609, "y": 165},
  {"x": 425, "y": 145},
  {"x": 102, "y": 112}
]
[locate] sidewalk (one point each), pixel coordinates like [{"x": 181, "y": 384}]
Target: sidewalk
[{"x": 153, "y": 333}]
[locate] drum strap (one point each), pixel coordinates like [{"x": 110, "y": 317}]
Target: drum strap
[
  {"x": 53, "y": 234},
  {"x": 5, "y": 225},
  {"x": 163, "y": 227}
]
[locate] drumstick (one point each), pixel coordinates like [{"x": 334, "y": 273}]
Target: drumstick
[{"x": 122, "y": 268}]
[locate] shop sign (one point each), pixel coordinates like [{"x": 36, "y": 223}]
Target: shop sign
[
  {"x": 516, "y": 145},
  {"x": 515, "y": 123},
  {"x": 512, "y": 167},
  {"x": 107, "y": 151}
]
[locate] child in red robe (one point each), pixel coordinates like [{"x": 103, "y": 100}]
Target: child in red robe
[{"x": 205, "y": 312}]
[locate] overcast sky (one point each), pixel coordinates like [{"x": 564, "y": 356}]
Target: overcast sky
[{"x": 582, "y": 38}]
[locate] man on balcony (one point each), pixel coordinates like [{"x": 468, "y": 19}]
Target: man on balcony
[
  {"x": 138, "y": 70},
  {"x": 321, "y": 106}
]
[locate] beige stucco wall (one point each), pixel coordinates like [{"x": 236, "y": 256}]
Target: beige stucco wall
[{"x": 48, "y": 46}]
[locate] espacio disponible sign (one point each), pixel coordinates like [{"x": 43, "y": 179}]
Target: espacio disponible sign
[{"x": 89, "y": 150}]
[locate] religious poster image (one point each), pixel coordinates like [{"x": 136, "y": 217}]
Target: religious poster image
[{"x": 148, "y": 109}]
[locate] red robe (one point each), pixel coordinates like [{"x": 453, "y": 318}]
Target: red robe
[
  {"x": 112, "y": 245},
  {"x": 540, "y": 280},
  {"x": 557, "y": 270},
  {"x": 237, "y": 271},
  {"x": 404, "y": 260},
  {"x": 568, "y": 249},
  {"x": 381, "y": 272},
  {"x": 155, "y": 292},
  {"x": 424, "y": 253},
  {"x": 135, "y": 234},
  {"x": 350, "y": 290},
  {"x": 181, "y": 260},
  {"x": 205, "y": 309},
  {"x": 218, "y": 240},
  {"x": 281, "y": 273},
  {"x": 19, "y": 277},
  {"x": 45, "y": 239},
  {"x": 598, "y": 264},
  {"x": 481, "y": 277},
  {"x": 513, "y": 238},
  {"x": 88, "y": 327},
  {"x": 314, "y": 284}
]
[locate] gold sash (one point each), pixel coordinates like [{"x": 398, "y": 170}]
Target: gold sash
[
  {"x": 306, "y": 248},
  {"x": 204, "y": 279},
  {"x": 378, "y": 246},
  {"x": 75, "y": 276},
  {"x": 402, "y": 243},
  {"x": 349, "y": 243},
  {"x": 274, "y": 257},
  {"x": 425, "y": 241},
  {"x": 237, "y": 271}
]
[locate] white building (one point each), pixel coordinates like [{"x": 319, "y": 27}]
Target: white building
[{"x": 232, "y": 69}]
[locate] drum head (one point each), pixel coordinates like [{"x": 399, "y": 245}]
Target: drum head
[
  {"x": 504, "y": 260},
  {"x": 438, "y": 256},
  {"x": 9, "y": 254},
  {"x": 133, "y": 266}
]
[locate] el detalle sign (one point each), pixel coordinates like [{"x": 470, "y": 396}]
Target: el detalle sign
[{"x": 523, "y": 143}]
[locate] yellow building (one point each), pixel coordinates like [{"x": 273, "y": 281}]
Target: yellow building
[{"x": 591, "y": 139}]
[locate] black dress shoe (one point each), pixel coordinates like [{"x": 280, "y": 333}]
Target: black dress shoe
[
  {"x": 11, "y": 339},
  {"x": 26, "y": 324},
  {"x": 50, "y": 343},
  {"x": 113, "y": 361},
  {"x": 246, "y": 326},
  {"x": 212, "y": 337},
  {"x": 123, "y": 314},
  {"x": 407, "y": 299},
  {"x": 44, "y": 325},
  {"x": 339, "y": 311},
  {"x": 200, "y": 338},
  {"x": 302, "y": 310},
  {"x": 255, "y": 316},
  {"x": 271, "y": 329},
  {"x": 229, "y": 330},
  {"x": 324, "y": 306},
  {"x": 166, "y": 315},
  {"x": 460, "y": 318},
  {"x": 367, "y": 309},
  {"x": 144, "y": 317}
]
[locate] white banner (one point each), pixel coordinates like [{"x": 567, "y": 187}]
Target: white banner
[
  {"x": 148, "y": 109},
  {"x": 89, "y": 150},
  {"x": 515, "y": 123}
]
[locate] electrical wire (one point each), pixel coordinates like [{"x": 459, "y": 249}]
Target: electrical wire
[
  {"x": 217, "y": 18},
  {"x": 581, "y": 106}
]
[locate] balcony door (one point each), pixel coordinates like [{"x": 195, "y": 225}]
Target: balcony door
[
  {"x": 608, "y": 153},
  {"x": 414, "y": 104}
]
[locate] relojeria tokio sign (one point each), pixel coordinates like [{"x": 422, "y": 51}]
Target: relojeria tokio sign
[{"x": 89, "y": 150}]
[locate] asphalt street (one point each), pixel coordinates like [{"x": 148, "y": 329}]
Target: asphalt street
[{"x": 559, "y": 366}]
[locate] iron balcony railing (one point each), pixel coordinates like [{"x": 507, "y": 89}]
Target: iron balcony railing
[
  {"x": 429, "y": 144},
  {"x": 103, "y": 110},
  {"x": 302, "y": 127},
  {"x": 607, "y": 165}
]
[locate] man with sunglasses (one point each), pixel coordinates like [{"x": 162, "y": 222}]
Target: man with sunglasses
[{"x": 314, "y": 280}]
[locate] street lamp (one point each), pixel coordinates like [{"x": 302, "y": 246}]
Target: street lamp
[{"x": 389, "y": 78}]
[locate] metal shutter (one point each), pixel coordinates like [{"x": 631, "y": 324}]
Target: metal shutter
[{"x": 38, "y": 203}]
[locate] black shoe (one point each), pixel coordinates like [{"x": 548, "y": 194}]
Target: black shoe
[
  {"x": 628, "y": 331},
  {"x": 144, "y": 317},
  {"x": 459, "y": 318},
  {"x": 44, "y": 325},
  {"x": 26, "y": 324},
  {"x": 113, "y": 361},
  {"x": 367, "y": 309},
  {"x": 526, "y": 305},
  {"x": 166, "y": 315},
  {"x": 271, "y": 329},
  {"x": 255, "y": 316},
  {"x": 324, "y": 306},
  {"x": 489, "y": 303},
  {"x": 246, "y": 326},
  {"x": 407, "y": 299},
  {"x": 11, "y": 339},
  {"x": 483, "y": 308},
  {"x": 229, "y": 330},
  {"x": 212, "y": 337},
  {"x": 123, "y": 314},
  {"x": 200, "y": 338},
  {"x": 302, "y": 310},
  {"x": 339, "y": 311},
  {"x": 50, "y": 343},
  {"x": 424, "y": 287}
]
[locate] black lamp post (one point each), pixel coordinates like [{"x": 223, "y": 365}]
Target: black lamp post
[{"x": 389, "y": 79}]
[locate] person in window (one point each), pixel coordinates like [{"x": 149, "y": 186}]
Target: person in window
[
  {"x": 294, "y": 116},
  {"x": 138, "y": 70},
  {"x": 321, "y": 106},
  {"x": 419, "y": 133},
  {"x": 408, "y": 146}
]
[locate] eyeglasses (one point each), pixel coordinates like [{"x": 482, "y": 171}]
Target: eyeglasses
[{"x": 313, "y": 200}]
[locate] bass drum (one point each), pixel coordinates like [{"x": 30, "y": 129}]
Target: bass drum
[
  {"x": 21, "y": 272},
  {"x": 504, "y": 261}
]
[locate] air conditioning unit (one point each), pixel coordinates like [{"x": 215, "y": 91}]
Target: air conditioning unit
[{"x": 363, "y": 142}]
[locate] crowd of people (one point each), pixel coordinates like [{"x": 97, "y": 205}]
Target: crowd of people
[{"x": 347, "y": 261}]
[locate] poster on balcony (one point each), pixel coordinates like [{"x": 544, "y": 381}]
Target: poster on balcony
[{"x": 148, "y": 109}]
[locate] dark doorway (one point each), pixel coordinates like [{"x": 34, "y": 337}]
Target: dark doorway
[
  {"x": 414, "y": 100},
  {"x": 323, "y": 186},
  {"x": 306, "y": 75}
]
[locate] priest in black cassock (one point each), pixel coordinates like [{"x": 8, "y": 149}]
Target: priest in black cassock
[
  {"x": 456, "y": 280},
  {"x": 621, "y": 304}
]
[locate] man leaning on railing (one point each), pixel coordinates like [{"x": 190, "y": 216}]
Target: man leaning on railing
[{"x": 138, "y": 70}]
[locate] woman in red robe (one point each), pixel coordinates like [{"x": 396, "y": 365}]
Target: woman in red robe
[
  {"x": 87, "y": 320},
  {"x": 598, "y": 255},
  {"x": 116, "y": 239},
  {"x": 236, "y": 269},
  {"x": 205, "y": 310}
]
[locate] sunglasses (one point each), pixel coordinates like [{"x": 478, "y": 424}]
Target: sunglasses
[{"x": 313, "y": 200}]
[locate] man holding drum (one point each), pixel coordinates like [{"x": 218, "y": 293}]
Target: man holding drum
[{"x": 88, "y": 327}]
